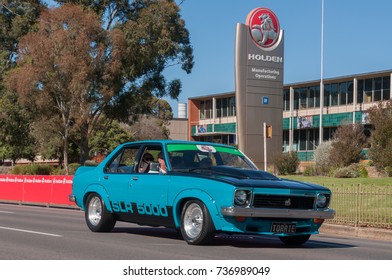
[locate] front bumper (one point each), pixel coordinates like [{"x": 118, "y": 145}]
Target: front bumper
[{"x": 277, "y": 213}]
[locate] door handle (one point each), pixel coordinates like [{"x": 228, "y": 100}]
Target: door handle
[
  {"x": 135, "y": 178},
  {"x": 106, "y": 177}
]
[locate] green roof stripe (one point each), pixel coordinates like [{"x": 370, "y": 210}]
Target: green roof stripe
[{"x": 193, "y": 147}]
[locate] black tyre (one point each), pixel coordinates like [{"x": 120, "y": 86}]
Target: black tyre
[
  {"x": 98, "y": 218},
  {"x": 294, "y": 240},
  {"x": 197, "y": 227}
]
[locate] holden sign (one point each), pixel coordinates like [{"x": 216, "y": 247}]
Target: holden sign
[
  {"x": 264, "y": 27},
  {"x": 259, "y": 62}
]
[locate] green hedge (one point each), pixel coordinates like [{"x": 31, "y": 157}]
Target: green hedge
[{"x": 33, "y": 169}]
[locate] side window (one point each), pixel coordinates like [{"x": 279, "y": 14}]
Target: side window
[
  {"x": 149, "y": 159},
  {"x": 190, "y": 159},
  {"x": 124, "y": 161},
  {"x": 233, "y": 160}
]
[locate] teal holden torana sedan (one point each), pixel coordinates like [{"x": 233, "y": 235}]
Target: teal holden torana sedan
[{"x": 200, "y": 189}]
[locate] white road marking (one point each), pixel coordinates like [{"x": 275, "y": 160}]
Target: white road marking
[
  {"x": 7, "y": 212},
  {"x": 30, "y": 231}
]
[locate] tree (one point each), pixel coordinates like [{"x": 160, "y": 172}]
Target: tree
[
  {"x": 347, "y": 144},
  {"x": 108, "y": 135},
  {"x": 76, "y": 70},
  {"x": 62, "y": 66},
  {"x": 15, "y": 140},
  {"x": 380, "y": 151},
  {"x": 17, "y": 18},
  {"x": 153, "y": 124}
]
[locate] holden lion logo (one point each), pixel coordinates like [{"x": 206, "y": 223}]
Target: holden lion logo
[{"x": 264, "y": 27}]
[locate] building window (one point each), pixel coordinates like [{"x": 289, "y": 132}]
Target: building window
[
  {"x": 205, "y": 109},
  {"x": 286, "y": 140},
  {"x": 350, "y": 93},
  {"x": 296, "y": 99},
  {"x": 225, "y": 107},
  {"x": 377, "y": 89},
  {"x": 311, "y": 139},
  {"x": 343, "y": 93},
  {"x": 334, "y": 95},
  {"x": 302, "y": 139},
  {"x": 327, "y": 94},
  {"x": 317, "y": 95},
  {"x": 328, "y": 133},
  {"x": 312, "y": 96},
  {"x": 386, "y": 84},
  {"x": 227, "y": 139},
  {"x": 374, "y": 89},
  {"x": 360, "y": 91},
  {"x": 368, "y": 90},
  {"x": 286, "y": 100},
  {"x": 303, "y": 95},
  {"x": 231, "y": 103},
  {"x": 219, "y": 108}
]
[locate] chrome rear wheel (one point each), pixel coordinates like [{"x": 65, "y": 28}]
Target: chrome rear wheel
[
  {"x": 95, "y": 210},
  {"x": 98, "y": 218}
]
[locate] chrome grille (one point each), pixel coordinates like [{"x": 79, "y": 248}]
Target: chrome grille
[{"x": 283, "y": 201}]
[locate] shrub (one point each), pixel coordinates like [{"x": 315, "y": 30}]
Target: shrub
[
  {"x": 380, "y": 150},
  {"x": 321, "y": 158},
  {"x": 5, "y": 169},
  {"x": 352, "y": 171},
  {"x": 32, "y": 169},
  {"x": 388, "y": 171},
  {"x": 73, "y": 167},
  {"x": 310, "y": 171},
  {"x": 90, "y": 163},
  {"x": 287, "y": 163},
  {"x": 347, "y": 144}
]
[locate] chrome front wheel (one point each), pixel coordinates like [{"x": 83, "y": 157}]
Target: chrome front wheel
[
  {"x": 196, "y": 224},
  {"x": 193, "y": 220}
]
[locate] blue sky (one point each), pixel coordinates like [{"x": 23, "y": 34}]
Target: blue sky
[{"x": 357, "y": 39}]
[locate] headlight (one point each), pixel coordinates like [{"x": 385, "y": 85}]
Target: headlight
[
  {"x": 242, "y": 198},
  {"x": 322, "y": 200}
]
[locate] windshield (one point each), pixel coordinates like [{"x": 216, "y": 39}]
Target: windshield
[{"x": 190, "y": 156}]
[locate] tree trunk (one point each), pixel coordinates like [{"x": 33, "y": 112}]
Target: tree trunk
[
  {"x": 65, "y": 154},
  {"x": 83, "y": 145}
]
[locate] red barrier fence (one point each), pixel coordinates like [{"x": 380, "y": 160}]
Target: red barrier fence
[{"x": 42, "y": 189}]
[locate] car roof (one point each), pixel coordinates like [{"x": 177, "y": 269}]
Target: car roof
[{"x": 165, "y": 141}]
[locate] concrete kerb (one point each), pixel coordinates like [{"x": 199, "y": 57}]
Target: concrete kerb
[{"x": 359, "y": 232}]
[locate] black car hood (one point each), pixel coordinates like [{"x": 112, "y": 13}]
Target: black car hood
[{"x": 250, "y": 178}]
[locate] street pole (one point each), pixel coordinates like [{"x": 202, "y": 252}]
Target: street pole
[
  {"x": 321, "y": 74},
  {"x": 265, "y": 145}
]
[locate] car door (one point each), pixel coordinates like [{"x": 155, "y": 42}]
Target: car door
[
  {"x": 149, "y": 192},
  {"x": 117, "y": 178}
]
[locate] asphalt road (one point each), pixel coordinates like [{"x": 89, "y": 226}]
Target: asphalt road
[{"x": 40, "y": 233}]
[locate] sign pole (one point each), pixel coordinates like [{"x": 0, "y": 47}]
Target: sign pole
[{"x": 265, "y": 146}]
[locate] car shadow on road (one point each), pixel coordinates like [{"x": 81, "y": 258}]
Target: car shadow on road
[
  {"x": 158, "y": 232},
  {"x": 233, "y": 240}
]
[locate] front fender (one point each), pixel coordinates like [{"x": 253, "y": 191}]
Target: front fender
[
  {"x": 101, "y": 191},
  {"x": 201, "y": 195}
]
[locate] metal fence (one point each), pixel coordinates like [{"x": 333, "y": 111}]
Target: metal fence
[{"x": 362, "y": 206}]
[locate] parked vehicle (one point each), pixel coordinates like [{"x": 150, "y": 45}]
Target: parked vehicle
[{"x": 199, "y": 188}]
